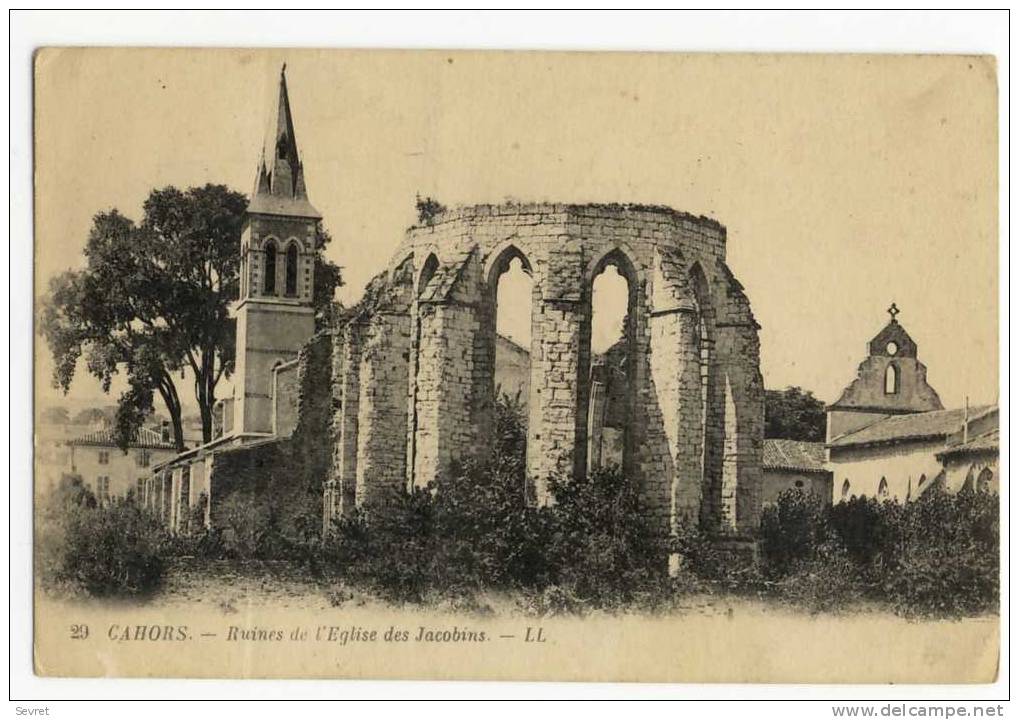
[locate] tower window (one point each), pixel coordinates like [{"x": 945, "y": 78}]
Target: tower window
[
  {"x": 270, "y": 268},
  {"x": 892, "y": 379},
  {"x": 845, "y": 489},
  {"x": 291, "y": 271}
]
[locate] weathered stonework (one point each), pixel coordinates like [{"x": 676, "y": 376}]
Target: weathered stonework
[
  {"x": 414, "y": 364},
  {"x": 402, "y": 387}
]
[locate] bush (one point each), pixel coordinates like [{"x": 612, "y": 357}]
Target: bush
[
  {"x": 467, "y": 532},
  {"x": 948, "y": 561},
  {"x": 476, "y": 531},
  {"x": 935, "y": 556},
  {"x": 601, "y": 547},
  {"x": 791, "y": 531},
  {"x": 110, "y": 550}
]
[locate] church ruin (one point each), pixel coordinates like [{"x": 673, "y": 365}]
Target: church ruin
[{"x": 402, "y": 388}]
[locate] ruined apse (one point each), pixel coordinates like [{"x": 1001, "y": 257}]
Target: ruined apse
[{"x": 413, "y": 365}]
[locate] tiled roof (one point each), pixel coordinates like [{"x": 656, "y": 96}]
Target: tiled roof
[
  {"x": 145, "y": 438},
  {"x": 988, "y": 442},
  {"x": 782, "y": 454},
  {"x": 913, "y": 426}
]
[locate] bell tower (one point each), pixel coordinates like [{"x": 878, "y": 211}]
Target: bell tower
[
  {"x": 275, "y": 317},
  {"x": 890, "y": 381}
]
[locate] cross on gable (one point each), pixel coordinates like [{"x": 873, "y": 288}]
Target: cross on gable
[{"x": 893, "y": 311}]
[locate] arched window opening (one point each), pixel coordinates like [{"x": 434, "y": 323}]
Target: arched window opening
[
  {"x": 985, "y": 480},
  {"x": 882, "y": 489},
  {"x": 608, "y": 375},
  {"x": 513, "y": 333},
  {"x": 270, "y": 268},
  {"x": 845, "y": 489},
  {"x": 507, "y": 352},
  {"x": 427, "y": 272},
  {"x": 892, "y": 379},
  {"x": 291, "y": 271}
]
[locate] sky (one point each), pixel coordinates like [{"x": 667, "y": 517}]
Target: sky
[{"x": 846, "y": 183}]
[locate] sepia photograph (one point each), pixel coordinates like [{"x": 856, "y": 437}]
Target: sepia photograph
[{"x": 650, "y": 367}]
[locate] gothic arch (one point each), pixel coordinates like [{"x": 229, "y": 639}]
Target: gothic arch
[
  {"x": 622, "y": 258},
  {"x": 713, "y": 399},
  {"x": 495, "y": 266},
  {"x": 499, "y": 261},
  {"x": 503, "y": 254}
]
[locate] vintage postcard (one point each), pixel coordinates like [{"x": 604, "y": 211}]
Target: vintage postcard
[{"x": 490, "y": 365}]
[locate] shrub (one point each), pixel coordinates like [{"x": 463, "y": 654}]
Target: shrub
[
  {"x": 791, "y": 531},
  {"x": 476, "y": 530},
  {"x": 935, "y": 556},
  {"x": 948, "y": 561},
  {"x": 602, "y": 549},
  {"x": 111, "y": 550}
]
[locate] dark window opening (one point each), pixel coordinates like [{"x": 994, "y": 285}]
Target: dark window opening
[
  {"x": 270, "y": 268},
  {"x": 291, "y": 271}
]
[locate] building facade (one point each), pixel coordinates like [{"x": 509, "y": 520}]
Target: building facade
[
  {"x": 794, "y": 465},
  {"x": 111, "y": 473},
  {"x": 889, "y": 436}
]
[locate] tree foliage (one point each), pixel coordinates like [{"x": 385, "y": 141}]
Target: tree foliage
[
  {"x": 153, "y": 300},
  {"x": 793, "y": 414},
  {"x": 428, "y": 209}
]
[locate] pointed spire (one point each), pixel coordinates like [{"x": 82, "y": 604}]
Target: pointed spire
[{"x": 280, "y": 178}]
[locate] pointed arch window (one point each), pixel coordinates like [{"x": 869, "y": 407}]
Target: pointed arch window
[
  {"x": 882, "y": 489},
  {"x": 845, "y": 489},
  {"x": 892, "y": 379},
  {"x": 269, "y": 286},
  {"x": 291, "y": 271}
]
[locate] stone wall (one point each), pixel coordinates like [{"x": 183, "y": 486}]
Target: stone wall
[
  {"x": 412, "y": 369},
  {"x": 285, "y": 398}
]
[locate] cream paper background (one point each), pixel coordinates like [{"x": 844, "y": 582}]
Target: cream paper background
[{"x": 845, "y": 182}]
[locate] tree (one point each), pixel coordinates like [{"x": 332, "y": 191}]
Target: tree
[
  {"x": 55, "y": 415},
  {"x": 326, "y": 279},
  {"x": 428, "y": 209},
  {"x": 153, "y": 300},
  {"x": 88, "y": 416},
  {"x": 794, "y": 414}
]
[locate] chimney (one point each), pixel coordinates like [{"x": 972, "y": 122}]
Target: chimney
[{"x": 165, "y": 431}]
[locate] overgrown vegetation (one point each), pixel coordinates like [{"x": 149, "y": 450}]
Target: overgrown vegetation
[
  {"x": 85, "y": 548},
  {"x": 477, "y": 532},
  {"x": 428, "y": 209},
  {"x": 936, "y": 556}
]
